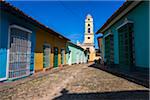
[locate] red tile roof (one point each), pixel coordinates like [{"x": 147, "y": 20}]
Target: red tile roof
[{"x": 14, "y": 10}]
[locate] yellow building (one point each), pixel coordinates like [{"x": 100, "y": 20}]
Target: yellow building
[{"x": 50, "y": 49}]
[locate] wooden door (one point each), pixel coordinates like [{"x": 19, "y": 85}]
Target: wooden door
[
  {"x": 109, "y": 49},
  {"x": 46, "y": 55},
  {"x": 55, "y": 57},
  {"x": 62, "y": 56},
  {"x": 126, "y": 44}
]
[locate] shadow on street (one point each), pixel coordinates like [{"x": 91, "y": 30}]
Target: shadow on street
[
  {"x": 123, "y": 73},
  {"x": 113, "y": 95}
]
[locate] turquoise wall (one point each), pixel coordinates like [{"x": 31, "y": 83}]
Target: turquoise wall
[
  {"x": 6, "y": 20},
  {"x": 78, "y": 55},
  {"x": 3, "y": 44},
  {"x": 140, "y": 17}
]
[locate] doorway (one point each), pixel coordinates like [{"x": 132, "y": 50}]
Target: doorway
[
  {"x": 126, "y": 44},
  {"x": 55, "y": 57},
  {"x": 62, "y": 56},
  {"x": 46, "y": 55},
  {"x": 70, "y": 58},
  {"x": 19, "y": 52}
]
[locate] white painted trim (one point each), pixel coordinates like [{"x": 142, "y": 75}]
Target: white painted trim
[
  {"x": 126, "y": 22},
  {"x": 8, "y": 45},
  {"x": 122, "y": 14},
  {"x": 2, "y": 79},
  {"x": 19, "y": 77},
  {"x": 21, "y": 28},
  {"x": 107, "y": 35}
]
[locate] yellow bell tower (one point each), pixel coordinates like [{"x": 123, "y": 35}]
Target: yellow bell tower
[
  {"x": 88, "y": 43},
  {"x": 89, "y": 34}
]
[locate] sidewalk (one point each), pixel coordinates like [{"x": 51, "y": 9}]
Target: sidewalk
[{"x": 137, "y": 76}]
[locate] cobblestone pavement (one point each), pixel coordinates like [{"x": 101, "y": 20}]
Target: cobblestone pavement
[{"x": 77, "y": 82}]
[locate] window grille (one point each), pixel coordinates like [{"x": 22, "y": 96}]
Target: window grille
[
  {"x": 19, "y": 53},
  {"x": 46, "y": 55}
]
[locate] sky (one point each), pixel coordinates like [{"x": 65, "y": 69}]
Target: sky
[{"x": 68, "y": 17}]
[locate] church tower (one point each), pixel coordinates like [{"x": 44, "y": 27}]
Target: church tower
[
  {"x": 88, "y": 43},
  {"x": 89, "y": 34}
]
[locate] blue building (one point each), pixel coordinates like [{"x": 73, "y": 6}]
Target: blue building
[
  {"x": 18, "y": 39},
  {"x": 17, "y": 43},
  {"x": 126, "y": 35}
]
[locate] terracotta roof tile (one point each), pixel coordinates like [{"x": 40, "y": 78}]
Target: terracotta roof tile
[{"x": 10, "y": 8}]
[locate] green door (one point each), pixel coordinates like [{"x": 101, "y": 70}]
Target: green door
[
  {"x": 126, "y": 44},
  {"x": 109, "y": 49},
  {"x": 55, "y": 57}
]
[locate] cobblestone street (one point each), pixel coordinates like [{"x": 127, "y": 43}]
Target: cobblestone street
[{"x": 77, "y": 82}]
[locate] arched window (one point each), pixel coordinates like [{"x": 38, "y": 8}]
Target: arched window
[
  {"x": 88, "y": 30},
  {"x": 88, "y": 24}
]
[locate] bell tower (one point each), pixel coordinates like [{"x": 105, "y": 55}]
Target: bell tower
[
  {"x": 88, "y": 43},
  {"x": 89, "y": 34}
]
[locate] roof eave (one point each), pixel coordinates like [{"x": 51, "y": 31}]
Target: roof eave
[
  {"x": 75, "y": 45},
  {"x": 29, "y": 18},
  {"x": 114, "y": 18}
]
